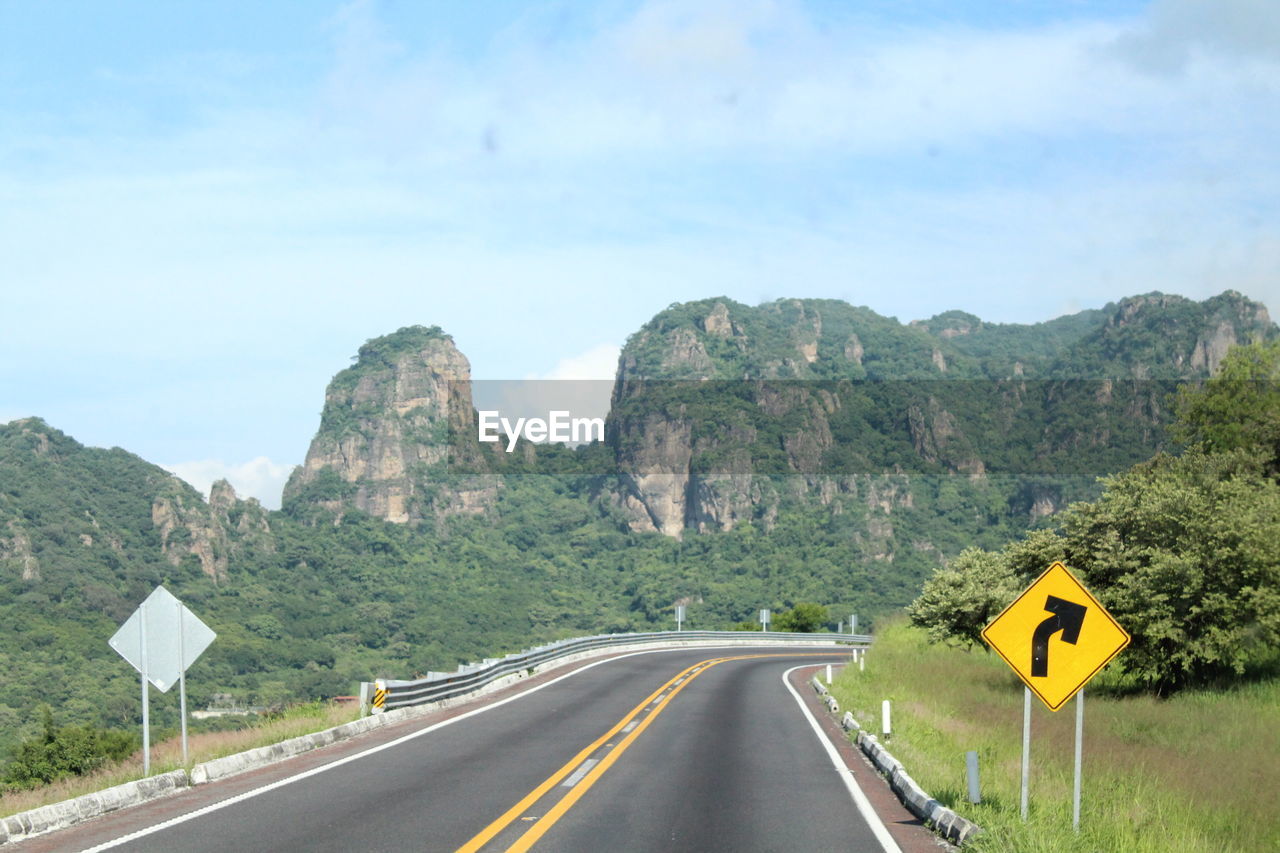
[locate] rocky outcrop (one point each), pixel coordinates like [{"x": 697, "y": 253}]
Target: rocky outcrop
[
  {"x": 214, "y": 532},
  {"x": 17, "y": 547},
  {"x": 937, "y": 437},
  {"x": 779, "y": 401},
  {"x": 393, "y": 435}
]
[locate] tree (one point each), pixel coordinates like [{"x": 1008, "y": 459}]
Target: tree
[
  {"x": 963, "y": 597},
  {"x": 804, "y": 618},
  {"x": 1185, "y": 553}
]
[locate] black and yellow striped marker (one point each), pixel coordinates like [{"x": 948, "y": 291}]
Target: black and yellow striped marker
[{"x": 379, "y": 696}]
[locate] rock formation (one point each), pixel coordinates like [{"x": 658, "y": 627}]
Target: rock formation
[{"x": 391, "y": 434}]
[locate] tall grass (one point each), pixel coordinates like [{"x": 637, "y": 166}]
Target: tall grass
[
  {"x": 1199, "y": 771},
  {"x": 166, "y": 755}
]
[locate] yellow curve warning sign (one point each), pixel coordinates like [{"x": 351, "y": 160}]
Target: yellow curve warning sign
[{"x": 1056, "y": 636}]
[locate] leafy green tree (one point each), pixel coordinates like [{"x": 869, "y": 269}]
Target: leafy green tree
[
  {"x": 804, "y": 618},
  {"x": 1185, "y": 553},
  {"x": 964, "y": 596}
]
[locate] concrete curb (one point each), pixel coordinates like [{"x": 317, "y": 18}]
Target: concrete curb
[
  {"x": 68, "y": 812},
  {"x": 943, "y": 820}
]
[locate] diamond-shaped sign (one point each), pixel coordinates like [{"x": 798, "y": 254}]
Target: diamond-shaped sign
[
  {"x": 169, "y": 628},
  {"x": 1056, "y": 636}
]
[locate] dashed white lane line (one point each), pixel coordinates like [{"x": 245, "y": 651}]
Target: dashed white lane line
[{"x": 576, "y": 776}]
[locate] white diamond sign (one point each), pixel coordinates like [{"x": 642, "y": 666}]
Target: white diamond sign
[{"x": 162, "y": 638}]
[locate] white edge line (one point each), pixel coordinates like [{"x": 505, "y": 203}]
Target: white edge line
[
  {"x": 230, "y": 801},
  {"x": 868, "y": 813}
]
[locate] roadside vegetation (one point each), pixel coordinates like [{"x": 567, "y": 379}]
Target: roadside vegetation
[
  {"x": 1183, "y": 730},
  {"x": 48, "y": 776},
  {"x": 1193, "y": 772}
]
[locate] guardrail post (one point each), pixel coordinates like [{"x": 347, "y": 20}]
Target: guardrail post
[{"x": 366, "y": 697}]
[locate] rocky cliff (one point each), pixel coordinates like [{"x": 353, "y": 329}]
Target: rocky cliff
[
  {"x": 723, "y": 414},
  {"x": 213, "y": 532},
  {"x": 715, "y": 400},
  {"x": 389, "y": 435}
]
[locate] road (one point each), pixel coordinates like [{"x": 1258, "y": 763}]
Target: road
[{"x": 689, "y": 750}]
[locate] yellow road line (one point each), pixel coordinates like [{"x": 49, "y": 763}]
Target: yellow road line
[
  {"x": 676, "y": 683},
  {"x": 557, "y": 811},
  {"x": 516, "y": 811}
]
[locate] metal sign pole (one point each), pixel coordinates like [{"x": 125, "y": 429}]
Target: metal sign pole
[
  {"x": 146, "y": 718},
  {"x": 182, "y": 680},
  {"x": 1075, "y": 810},
  {"x": 1026, "y": 746}
]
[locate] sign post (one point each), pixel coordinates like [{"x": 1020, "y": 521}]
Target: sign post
[
  {"x": 161, "y": 640},
  {"x": 1055, "y": 655},
  {"x": 764, "y": 619},
  {"x": 679, "y": 616},
  {"x": 144, "y": 670}
]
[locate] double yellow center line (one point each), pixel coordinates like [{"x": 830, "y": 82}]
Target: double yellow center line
[{"x": 649, "y": 708}]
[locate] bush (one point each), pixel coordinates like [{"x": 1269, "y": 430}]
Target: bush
[
  {"x": 65, "y": 751},
  {"x": 804, "y": 618}
]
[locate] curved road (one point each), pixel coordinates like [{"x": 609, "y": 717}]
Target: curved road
[{"x": 688, "y": 750}]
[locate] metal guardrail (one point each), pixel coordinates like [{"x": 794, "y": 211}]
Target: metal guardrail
[{"x": 470, "y": 677}]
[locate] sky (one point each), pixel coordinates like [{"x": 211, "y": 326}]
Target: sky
[{"x": 205, "y": 209}]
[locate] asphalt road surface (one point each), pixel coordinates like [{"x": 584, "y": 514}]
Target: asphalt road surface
[{"x": 689, "y": 750}]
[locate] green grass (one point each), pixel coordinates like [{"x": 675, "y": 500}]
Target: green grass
[{"x": 1196, "y": 772}]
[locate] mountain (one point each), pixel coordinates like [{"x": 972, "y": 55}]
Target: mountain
[
  {"x": 714, "y": 400},
  {"x": 65, "y": 505}
]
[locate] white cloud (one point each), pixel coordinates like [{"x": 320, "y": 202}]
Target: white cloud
[
  {"x": 681, "y": 79},
  {"x": 259, "y": 478},
  {"x": 599, "y": 362}
]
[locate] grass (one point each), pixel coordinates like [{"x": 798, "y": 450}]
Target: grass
[
  {"x": 166, "y": 755},
  {"x": 1199, "y": 771}
]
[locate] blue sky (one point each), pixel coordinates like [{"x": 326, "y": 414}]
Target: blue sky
[{"x": 206, "y": 208}]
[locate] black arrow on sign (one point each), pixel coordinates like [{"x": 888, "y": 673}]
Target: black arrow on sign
[{"x": 1067, "y": 617}]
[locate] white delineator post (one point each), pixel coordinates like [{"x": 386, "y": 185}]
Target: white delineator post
[
  {"x": 884, "y": 718},
  {"x": 971, "y": 772},
  {"x": 828, "y": 675}
]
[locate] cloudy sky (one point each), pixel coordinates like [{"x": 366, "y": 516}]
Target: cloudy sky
[{"x": 206, "y": 208}]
